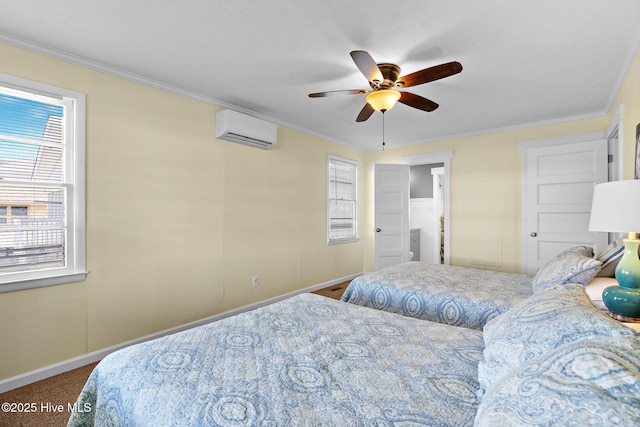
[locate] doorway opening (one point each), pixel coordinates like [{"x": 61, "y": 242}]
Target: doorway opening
[
  {"x": 426, "y": 212},
  {"x": 435, "y": 225}
]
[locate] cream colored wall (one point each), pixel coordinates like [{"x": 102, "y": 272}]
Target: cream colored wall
[
  {"x": 177, "y": 222},
  {"x": 486, "y": 189},
  {"x": 629, "y": 97}
]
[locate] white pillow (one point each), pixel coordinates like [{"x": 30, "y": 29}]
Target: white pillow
[{"x": 596, "y": 286}]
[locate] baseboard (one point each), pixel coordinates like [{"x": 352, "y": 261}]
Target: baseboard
[{"x": 77, "y": 362}]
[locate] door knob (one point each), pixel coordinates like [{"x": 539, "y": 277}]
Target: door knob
[
  {"x": 378, "y": 230},
  {"x": 533, "y": 234}
]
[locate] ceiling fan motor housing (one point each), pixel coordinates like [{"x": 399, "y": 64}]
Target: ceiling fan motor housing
[{"x": 390, "y": 73}]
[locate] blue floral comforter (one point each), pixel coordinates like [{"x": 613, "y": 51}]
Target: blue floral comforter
[
  {"x": 441, "y": 293},
  {"x": 305, "y": 361}
]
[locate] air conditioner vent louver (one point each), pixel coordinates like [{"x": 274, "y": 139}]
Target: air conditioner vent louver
[
  {"x": 242, "y": 129},
  {"x": 235, "y": 137}
]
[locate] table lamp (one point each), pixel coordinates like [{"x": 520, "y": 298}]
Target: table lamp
[{"x": 616, "y": 208}]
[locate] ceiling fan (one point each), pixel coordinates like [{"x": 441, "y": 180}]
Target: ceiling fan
[{"x": 383, "y": 77}]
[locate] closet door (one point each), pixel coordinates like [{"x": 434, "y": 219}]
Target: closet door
[{"x": 558, "y": 190}]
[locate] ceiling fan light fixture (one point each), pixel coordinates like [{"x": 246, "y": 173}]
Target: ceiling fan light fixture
[{"x": 383, "y": 99}]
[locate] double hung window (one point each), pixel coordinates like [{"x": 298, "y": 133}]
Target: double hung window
[
  {"x": 41, "y": 185},
  {"x": 342, "y": 199}
]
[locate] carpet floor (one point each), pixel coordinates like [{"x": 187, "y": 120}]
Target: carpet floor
[{"x": 45, "y": 403}]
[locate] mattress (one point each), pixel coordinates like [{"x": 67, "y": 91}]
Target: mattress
[
  {"x": 440, "y": 293},
  {"x": 304, "y": 361}
]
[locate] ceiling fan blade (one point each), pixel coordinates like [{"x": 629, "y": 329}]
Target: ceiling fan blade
[
  {"x": 430, "y": 74},
  {"x": 417, "y": 101},
  {"x": 337, "y": 92},
  {"x": 365, "y": 113},
  {"x": 367, "y": 65}
]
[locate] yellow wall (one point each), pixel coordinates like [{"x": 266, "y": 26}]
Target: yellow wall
[
  {"x": 177, "y": 222},
  {"x": 629, "y": 97},
  {"x": 485, "y": 190}
]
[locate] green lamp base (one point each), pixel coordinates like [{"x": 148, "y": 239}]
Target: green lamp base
[{"x": 624, "y": 300}]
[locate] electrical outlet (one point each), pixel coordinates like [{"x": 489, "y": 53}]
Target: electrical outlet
[{"x": 254, "y": 281}]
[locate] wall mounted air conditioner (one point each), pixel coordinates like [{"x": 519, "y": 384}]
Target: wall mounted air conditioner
[{"x": 237, "y": 127}]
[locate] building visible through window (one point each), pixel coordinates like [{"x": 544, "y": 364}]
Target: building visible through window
[{"x": 41, "y": 185}]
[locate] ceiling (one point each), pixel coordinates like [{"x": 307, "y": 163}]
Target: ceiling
[{"x": 525, "y": 62}]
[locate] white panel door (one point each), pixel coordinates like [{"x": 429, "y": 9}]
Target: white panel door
[
  {"x": 391, "y": 207},
  {"x": 559, "y": 189}
]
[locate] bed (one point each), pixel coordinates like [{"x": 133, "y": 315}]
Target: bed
[
  {"x": 305, "y": 361},
  {"x": 552, "y": 359},
  {"x": 470, "y": 297},
  {"x": 441, "y": 293}
]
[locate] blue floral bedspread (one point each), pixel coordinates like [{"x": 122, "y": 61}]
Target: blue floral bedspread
[
  {"x": 441, "y": 293},
  {"x": 305, "y": 361}
]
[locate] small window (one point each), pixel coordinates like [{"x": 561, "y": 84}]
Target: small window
[
  {"x": 342, "y": 185},
  {"x": 18, "y": 210},
  {"x": 41, "y": 185}
]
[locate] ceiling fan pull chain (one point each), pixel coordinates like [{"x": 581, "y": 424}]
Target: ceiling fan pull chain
[{"x": 383, "y": 143}]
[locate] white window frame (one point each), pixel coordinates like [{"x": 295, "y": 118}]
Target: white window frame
[
  {"x": 355, "y": 237},
  {"x": 74, "y": 182}
]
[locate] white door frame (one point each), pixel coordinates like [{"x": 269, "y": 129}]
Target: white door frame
[
  {"x": 437, "y": 193},
  {"x": 614, "y": 131},
  {"x": 523, "y": 146},
  {"x": 444, "y": 157}
]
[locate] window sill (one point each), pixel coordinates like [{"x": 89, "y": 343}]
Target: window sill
[
  {"x": 347, "y": 240},
  {"x": 42, "y": 282}
]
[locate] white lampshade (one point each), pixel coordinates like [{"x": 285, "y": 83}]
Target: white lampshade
[
  {"x": 383, "y": 99},
  {"x": 616, "y": 207}
]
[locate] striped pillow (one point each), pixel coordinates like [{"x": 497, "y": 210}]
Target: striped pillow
[{"x": 610, "y": 257}]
